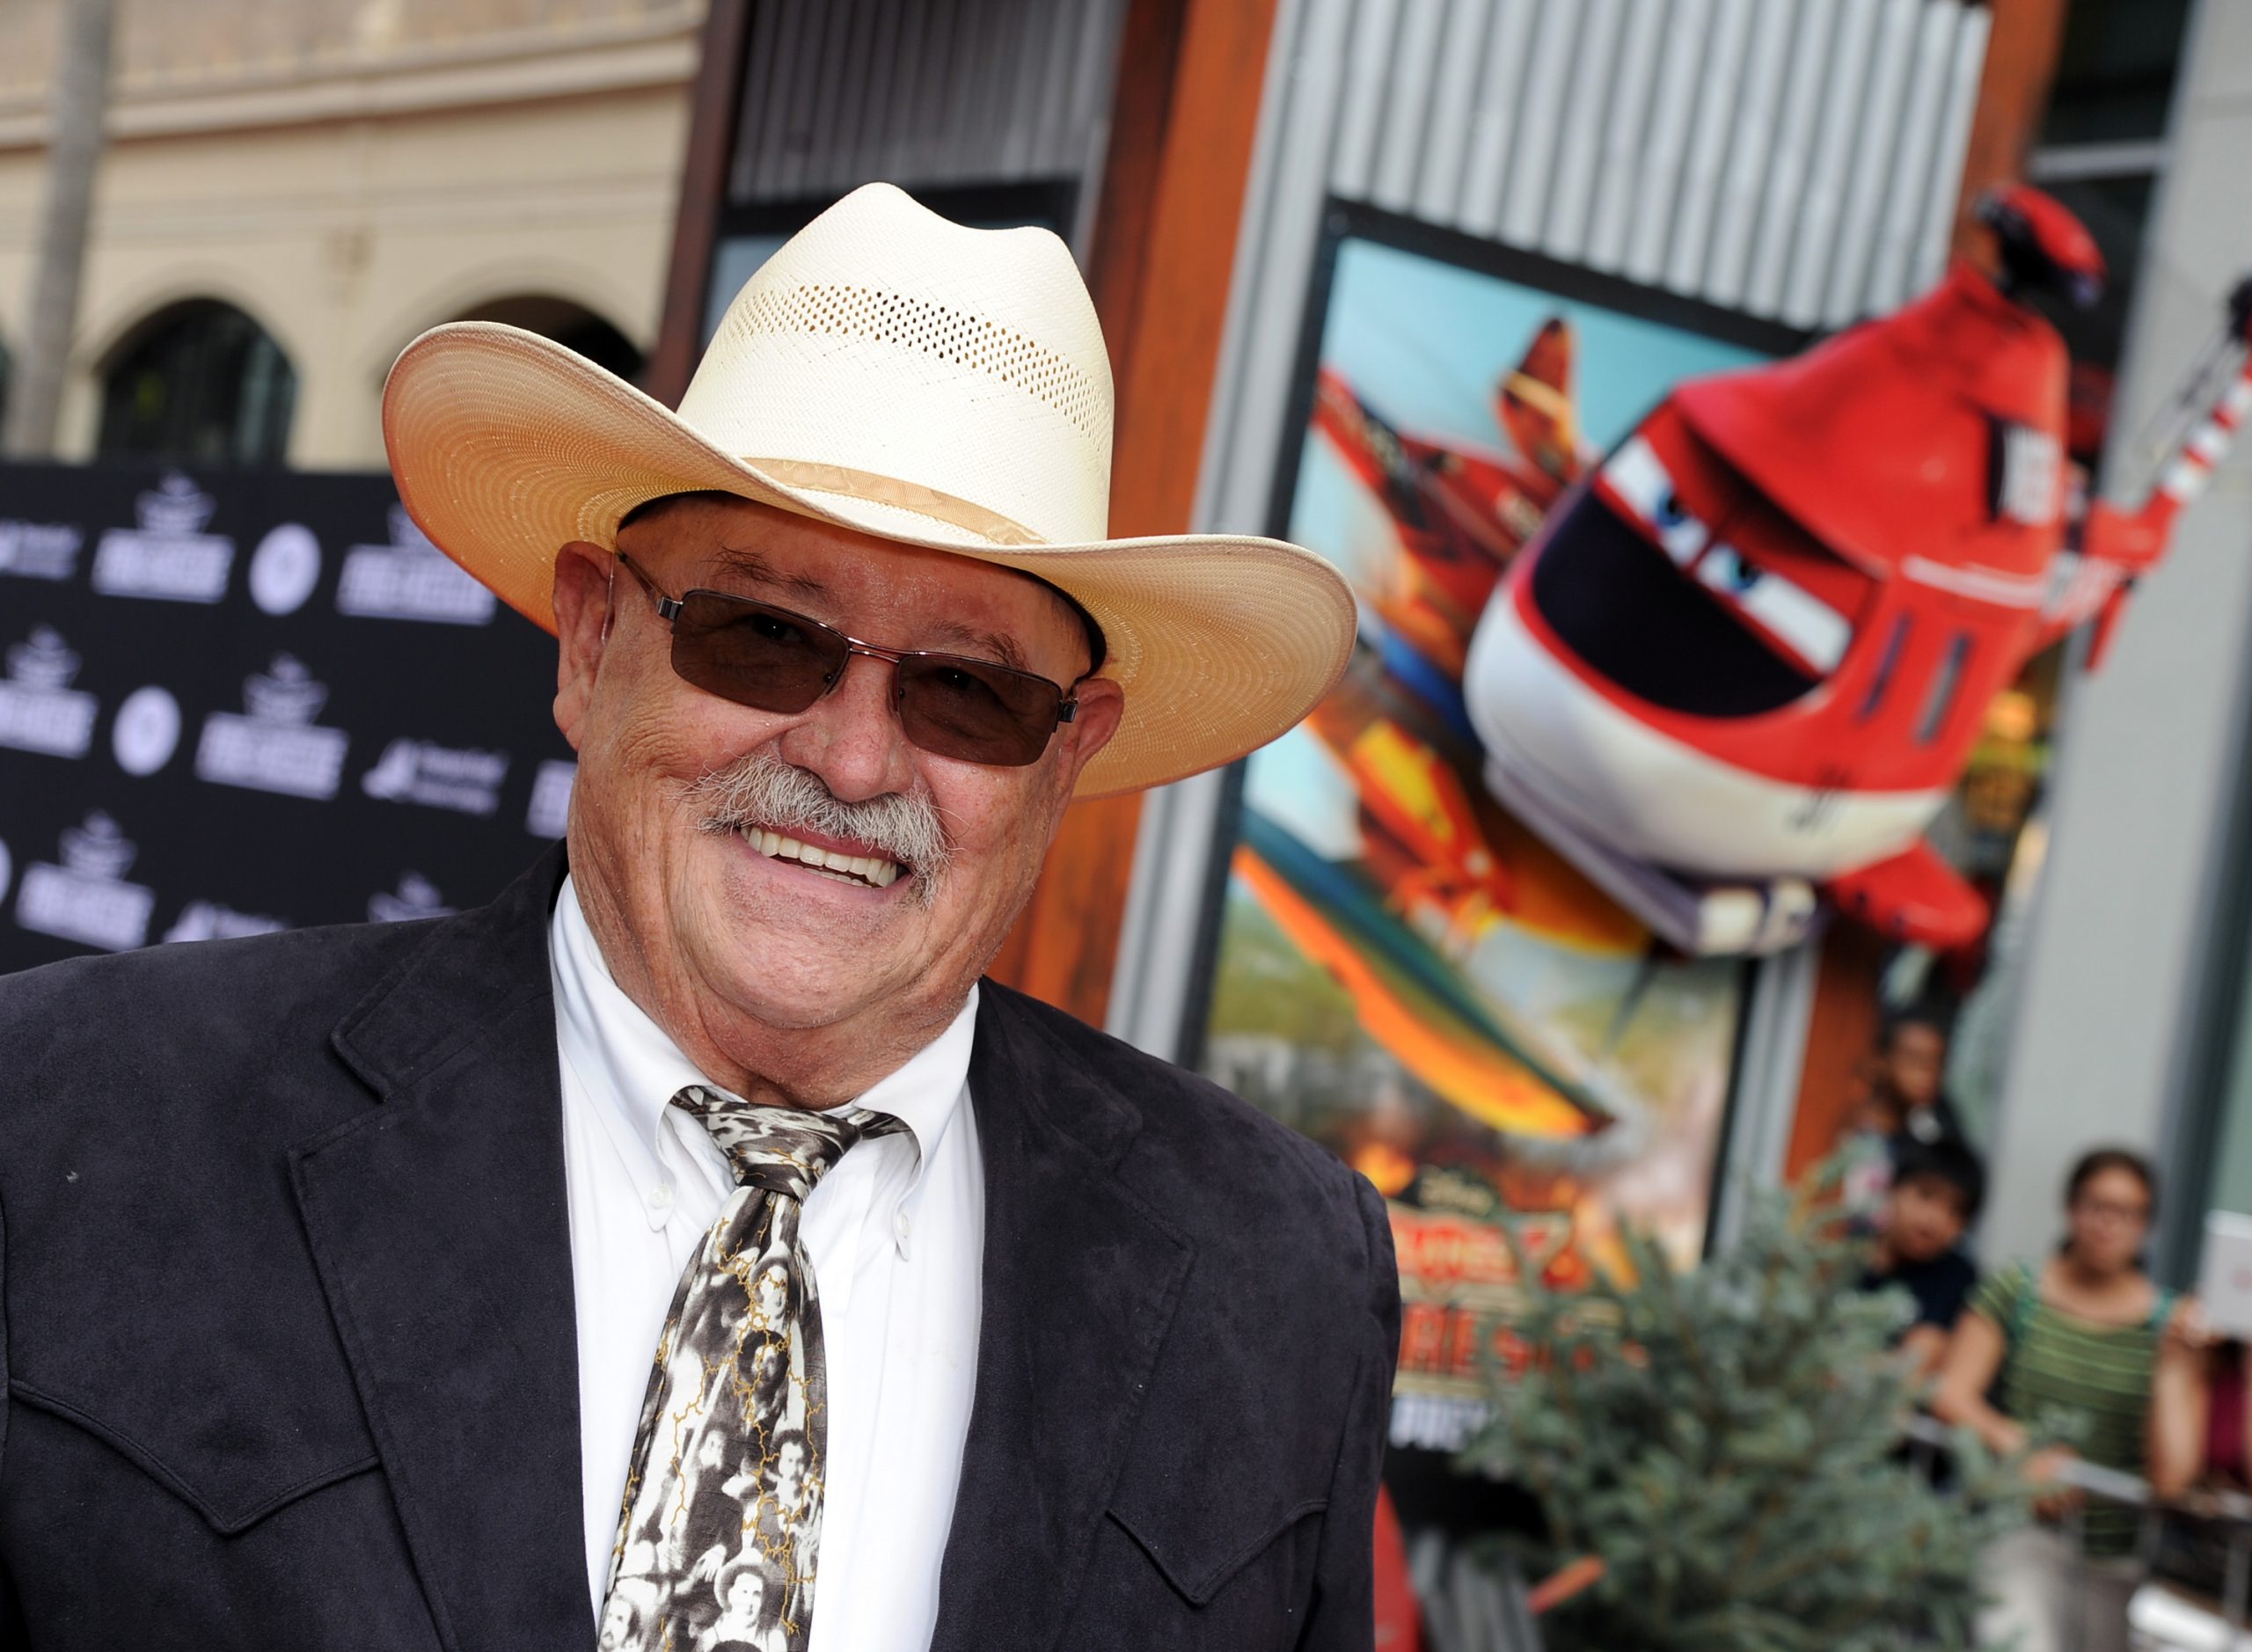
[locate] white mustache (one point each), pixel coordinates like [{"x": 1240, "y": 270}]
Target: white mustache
[{"x": 761, "y": 790}]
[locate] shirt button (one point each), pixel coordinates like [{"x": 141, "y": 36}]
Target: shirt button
[
  {"x": 899, "y": 1227},
  {"x": 660, "y": 1196}
]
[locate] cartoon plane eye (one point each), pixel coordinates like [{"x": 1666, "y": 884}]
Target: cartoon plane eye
[
  {"x": 1724, "y": 569},
  {"x": 1638, "y": 483},
  {"x": 1791, "y": 617}
]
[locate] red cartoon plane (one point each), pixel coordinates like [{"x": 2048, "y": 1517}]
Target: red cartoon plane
[{"x": 1749, "y": 657}]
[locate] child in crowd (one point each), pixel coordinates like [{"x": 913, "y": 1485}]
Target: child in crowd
[
  {"x": 1934, "y": 1197},
  {"x": 1904, "y": 1110},
  {"x": 1907, "y": 1102}
]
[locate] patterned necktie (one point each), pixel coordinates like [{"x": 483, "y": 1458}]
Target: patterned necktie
[{"x": 721, "y": 1519}]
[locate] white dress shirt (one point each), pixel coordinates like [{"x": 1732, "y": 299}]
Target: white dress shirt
[{"x": 895, "y": 1233}]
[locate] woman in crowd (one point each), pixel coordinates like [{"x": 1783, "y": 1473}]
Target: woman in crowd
[{"x": 2079, "y": 1340}]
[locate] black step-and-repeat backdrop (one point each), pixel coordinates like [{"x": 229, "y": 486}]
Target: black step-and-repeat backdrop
[{"x": 237, "y": 701}]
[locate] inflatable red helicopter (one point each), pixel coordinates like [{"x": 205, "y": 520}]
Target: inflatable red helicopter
[{"x": 1747, "y": 658}]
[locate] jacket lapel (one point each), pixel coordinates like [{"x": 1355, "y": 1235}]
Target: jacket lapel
[
  {"x": 438, "y": 1222},
  {"x": 1081, "y": 1279}
]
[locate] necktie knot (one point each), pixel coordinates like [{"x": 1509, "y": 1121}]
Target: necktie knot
[{"x": 782, "y": 1149}]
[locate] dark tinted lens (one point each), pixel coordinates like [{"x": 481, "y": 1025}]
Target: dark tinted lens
[
  {"x": 975, "y": 713},
  {"x": 767, "y": 658}
]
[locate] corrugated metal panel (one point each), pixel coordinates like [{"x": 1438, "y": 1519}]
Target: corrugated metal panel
[
  {"x": 1533, "y": 157},
  {"x": 1718, "y": 91},
  {"x": 1408, "y": 103},
  {"x": 1587, "y": 112},
  {"x": 1447, "y": 137},
  {"x": 1783, "y": 184},
  {"x": 1360, "y": 111},
  {"x": 921, "y": 92},
  {"x": 1493, "y": 123},
  {"x": 1688, "y": 26},
  {"x": 1875, "y": 146},
  {"x": 1794, "y": 159},
  {"x": 1797, "y": 160},
  {"x": 1961, "y": 104},
  {"x": 1617, "y": 173},
  {"x": 1844, "y": 80},
  {"x": 1910, "y": 175},
  {"x": 1758, "y": 113}
]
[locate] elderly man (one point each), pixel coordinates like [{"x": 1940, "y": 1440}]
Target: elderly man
[{"x": 688, "y": 1250}]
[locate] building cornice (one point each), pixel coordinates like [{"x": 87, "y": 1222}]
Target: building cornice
[{"x": 656, "y": 50}]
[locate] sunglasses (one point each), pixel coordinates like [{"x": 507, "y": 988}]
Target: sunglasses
[{"x": 768, "y": 658}]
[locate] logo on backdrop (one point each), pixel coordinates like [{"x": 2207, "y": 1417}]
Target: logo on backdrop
[
  {"x": 168, "y": 556},
  {"x": 277, "y": 746},
  {"x": 38, "y": 709},
  {"x": 146, "y": 732},
  {"x": 416, "y": 897},
  {"x": 284, "y": 569},
  {"x": 550, "y": 813},
  {"x": 207, "y": 920},
  {"x": 410, "y": 578},
  {"x": 437, "y": 777},
  {"x": 39, "y": 550},
  {"x": 86, "y": 898}
]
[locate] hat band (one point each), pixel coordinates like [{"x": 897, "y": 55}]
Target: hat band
[{"x": 989, "y": 525}]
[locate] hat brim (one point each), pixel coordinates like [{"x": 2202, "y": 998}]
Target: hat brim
[{"x": 506, "y": 447}]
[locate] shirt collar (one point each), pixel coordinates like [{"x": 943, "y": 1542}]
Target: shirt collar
[
  {"x": 926, "y": 1093},
  {"x": 635, "y": 1068}
]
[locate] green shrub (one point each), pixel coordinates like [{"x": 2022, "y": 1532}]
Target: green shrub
[{"x": 1727, "y": 1440}]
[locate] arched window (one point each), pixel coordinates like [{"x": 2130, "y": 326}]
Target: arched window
[
  {"x": 572, "y": 326},
  {"x": 198, "y": 383}
]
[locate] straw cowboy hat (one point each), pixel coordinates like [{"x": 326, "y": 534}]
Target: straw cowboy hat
[{"x": 904, "y": 376}]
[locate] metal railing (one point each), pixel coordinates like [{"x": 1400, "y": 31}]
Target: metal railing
[
  {"x": 1929, "y": 1436},
  {"x": 1475, "y": 1605}
]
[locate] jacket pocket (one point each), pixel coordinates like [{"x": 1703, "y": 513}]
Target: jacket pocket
[
  {"x": 232, "y": 1490},
  {"x": 1199, "y": 1566}
]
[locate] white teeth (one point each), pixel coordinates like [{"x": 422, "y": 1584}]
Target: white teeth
[{"x": 865, "y": 870}]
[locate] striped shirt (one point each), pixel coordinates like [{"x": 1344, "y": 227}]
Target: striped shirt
[{"x": 2094, "y": 1380}]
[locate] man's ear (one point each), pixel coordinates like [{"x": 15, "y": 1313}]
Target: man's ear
[
  {"x": 585, "y": 587},
  {"x": 1102, "y": 703}
]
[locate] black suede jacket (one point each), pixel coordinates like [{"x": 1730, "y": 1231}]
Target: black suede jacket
[{"x": 288, "y": 1356}]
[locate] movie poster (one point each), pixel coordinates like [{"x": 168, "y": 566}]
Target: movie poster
[{"x": 1404, "y": 972}]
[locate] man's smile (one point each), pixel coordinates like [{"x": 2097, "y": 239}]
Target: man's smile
[{"x": 835, "y": 860}]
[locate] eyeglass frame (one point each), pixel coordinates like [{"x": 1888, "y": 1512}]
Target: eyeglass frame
[{"x": 669, "y": 609}]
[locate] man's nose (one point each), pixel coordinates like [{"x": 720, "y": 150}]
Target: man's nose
[{"x": 851, "y": 737}]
